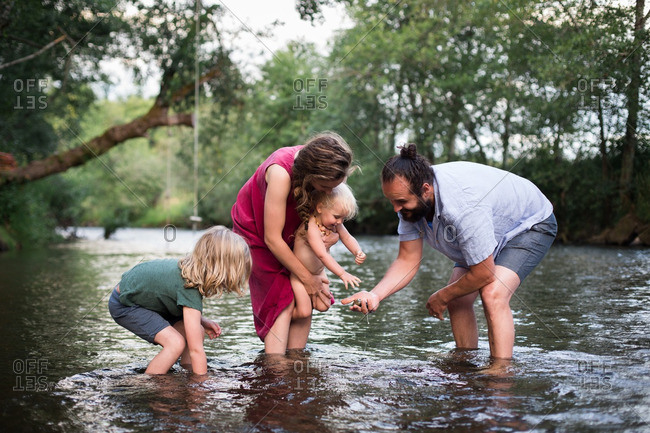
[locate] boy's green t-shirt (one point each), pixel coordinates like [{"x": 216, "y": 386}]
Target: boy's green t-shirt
[{"x": 157, "y": 285}]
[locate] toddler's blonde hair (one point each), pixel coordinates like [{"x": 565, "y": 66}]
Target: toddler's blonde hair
[
  {"x": 220, "y": 262},
  {"x": 342, "y": 195}
]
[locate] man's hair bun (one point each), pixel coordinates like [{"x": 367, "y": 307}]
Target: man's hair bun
[{"x": 409, "y": 150}]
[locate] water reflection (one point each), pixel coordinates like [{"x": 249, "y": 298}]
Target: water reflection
[{"x": 290, "y": 392}]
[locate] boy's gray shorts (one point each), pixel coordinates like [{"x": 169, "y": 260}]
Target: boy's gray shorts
[{"x": 142, "y": 322}]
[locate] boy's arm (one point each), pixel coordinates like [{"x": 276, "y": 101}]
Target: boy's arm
[{"x": 194, "y": 337}]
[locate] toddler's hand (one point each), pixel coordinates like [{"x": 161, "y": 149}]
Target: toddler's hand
[
  {"x": 360, "y": 257},
  {"x": 350, "y": 279}
]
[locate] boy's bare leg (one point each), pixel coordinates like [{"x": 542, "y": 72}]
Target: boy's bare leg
[{"x": 173, "y": 344}]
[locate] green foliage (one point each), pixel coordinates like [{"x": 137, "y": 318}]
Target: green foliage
[
  {"x": 122, "y": 185},
  {"x": 31, "y": 212},
  {"x": 538, "y": 86},
  {"x": 56, "y": 80},
  {"x": 570, "y": 185}
]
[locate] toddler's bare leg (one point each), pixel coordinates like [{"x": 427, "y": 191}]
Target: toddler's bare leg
[
  {"x": 322, "y": 300},
  {"x": 303, "y": 303}
]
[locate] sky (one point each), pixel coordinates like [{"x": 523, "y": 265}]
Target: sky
[{"x": 248, "y": 16}]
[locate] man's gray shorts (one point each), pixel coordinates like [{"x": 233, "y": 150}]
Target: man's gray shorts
[
  {"x": 526, "y": 250},
  {"x": 142, "y": 322}
]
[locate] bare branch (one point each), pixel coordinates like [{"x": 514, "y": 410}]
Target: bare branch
[{"x": 35, "y": 54}]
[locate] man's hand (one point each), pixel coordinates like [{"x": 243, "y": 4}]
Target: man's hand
[
  {"x": 363, "y": 301},
  {"x": 436, "y": 305}
]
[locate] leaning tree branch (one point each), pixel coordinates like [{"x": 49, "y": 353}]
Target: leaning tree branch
[
  {"x": 158, "y": 115},
  {"x": 99, "y": 145}
]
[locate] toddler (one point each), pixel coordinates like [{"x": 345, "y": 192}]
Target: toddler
[{"x": 312, "y": 244}]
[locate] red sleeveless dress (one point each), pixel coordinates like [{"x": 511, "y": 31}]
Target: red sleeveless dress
[{"x": 269, "y": 283}]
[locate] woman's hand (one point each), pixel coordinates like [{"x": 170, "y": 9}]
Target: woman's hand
[{"x": 316, "y": 283}]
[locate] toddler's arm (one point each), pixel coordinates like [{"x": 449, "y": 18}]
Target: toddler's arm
[
  {"x": 194, "y": 337},
  {"x": 318, "y": 247},
  {"x": 351, "y": 244}
]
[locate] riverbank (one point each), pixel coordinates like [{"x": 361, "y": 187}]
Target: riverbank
[{"x": 629, "y": 231}]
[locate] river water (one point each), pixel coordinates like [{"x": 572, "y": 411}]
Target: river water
[{"x": 582, "y": 351}]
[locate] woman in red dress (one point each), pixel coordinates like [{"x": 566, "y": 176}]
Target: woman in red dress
[{"x": 268, "y": 210}]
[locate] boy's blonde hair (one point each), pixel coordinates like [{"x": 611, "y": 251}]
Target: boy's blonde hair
[
  {"x": 221, "y": 261},
  {"x": 342, "y": 195}
]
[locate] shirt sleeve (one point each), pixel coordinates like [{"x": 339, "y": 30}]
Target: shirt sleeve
[
  {"x": 408, "y": 231},
  {"x": 475, "y": 234},
  {"x": 190, "y": 297}
]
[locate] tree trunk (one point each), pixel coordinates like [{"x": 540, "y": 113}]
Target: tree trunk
[
  {"x": 604, "y": 167},
  {"x": 505, "y": 137},
  {"x": 471, "y": 128},
  {"x": 60, "y": 162},
  {"x": 632, "y": 94},
  {"x": 557, "y": 150},
  {"x": 453, "y": 127},
  {"x": 158, "y": 115}
]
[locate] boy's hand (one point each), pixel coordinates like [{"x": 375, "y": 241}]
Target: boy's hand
[
  {"x": 360, "y": 257},
  {"x": 212, "y": 328}
]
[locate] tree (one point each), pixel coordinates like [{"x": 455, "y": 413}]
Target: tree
[
  {"x": 636, "y": 58},
  {"x": 163, "y": 34}
]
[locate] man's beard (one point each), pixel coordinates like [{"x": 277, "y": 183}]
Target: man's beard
[{"x": 420, "y": 211}]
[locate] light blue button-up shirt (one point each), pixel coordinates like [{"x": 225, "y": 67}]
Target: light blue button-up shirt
[{"x": 478, "y": 209}]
